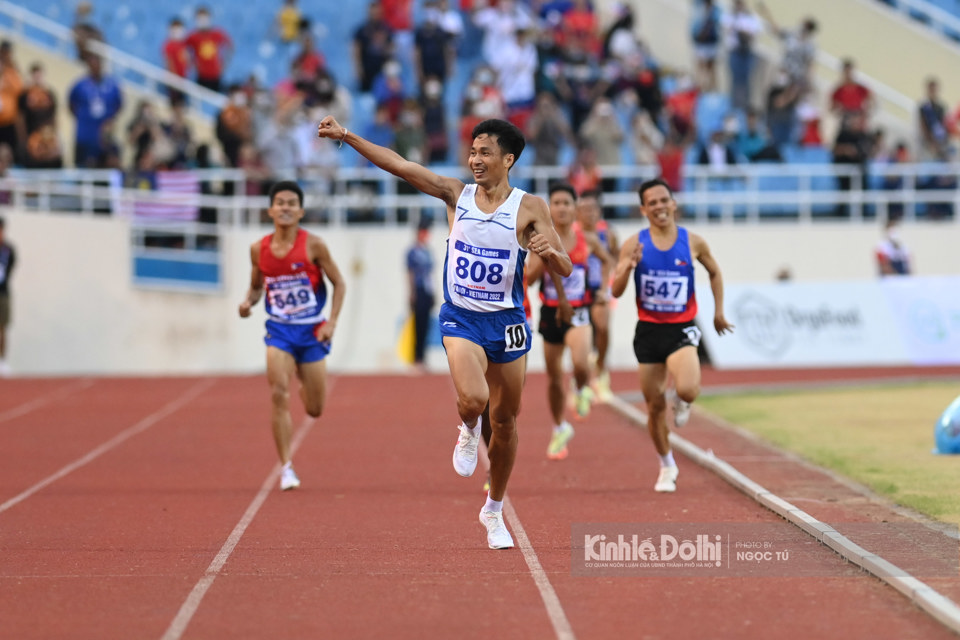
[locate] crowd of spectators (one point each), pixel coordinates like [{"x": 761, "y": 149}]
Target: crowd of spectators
[{"x": 585, "y": 94}]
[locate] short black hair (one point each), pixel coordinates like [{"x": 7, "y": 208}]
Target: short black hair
[
  {"x": 286, "y": 185},
  {"x": 650, "y": 184},
  {"x": 596, "y": 194},
  {"x": 562, "y": 186},
  {"x": 509, "y": 138}
]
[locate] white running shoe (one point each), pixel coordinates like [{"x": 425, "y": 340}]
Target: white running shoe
[
  {"x": 288, "y": 479},
  {"x": 667, "y": 480},
  {"x": 465, "y": 453},
  {"x": 681, "y": 412},
  {"x": 497, "y": 535}
]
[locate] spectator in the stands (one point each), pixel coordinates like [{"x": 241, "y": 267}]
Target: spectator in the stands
[
  {"x": 449, "y": 20},
  {"x": 584, "y": 173},
  {"x": 852, "y": 148},
  {"x": 934, "y": 131},
  {"x": 640, "y": 76},
  {"x": 434, "y": 52},
  {"x": 716, "y": 153},
  {"x": 602, "y": 132},
  {"x": 43, "y": 149},
  {"x": 411, "y": 137},
  {"x": 144, "y": 129},
  {"x": 706, "y": 43},
  {"x": 85, "y": 29},
  {"x": 620, "y": 41},
  {"x": 398, "y": 14},
  {"x": 516, "y": 69},
  {"x": 850, "y": 97},
  {"x": 176, "y": 53},
  {"x": 388, "y": 89},
  {"x": 783, "y": 97},
  {"x": 799, "y": 48},
  {"x": 892, "y": 255},
  {"x": 580, "y": 83},
  {"x": 579, "y": 27},
  {"x": 435, "y": 121},
  {"x": 94, "y": 101},
  {"x": 753, "y": 142},
  {"x": 500, "y": 24},
  {"x": 372, "y": 47},
  {"x": 211, "y": 49},
  {"x": 548, "y": 130},
  {"x": 680, "y": 108},
  {"x": 308, "y": 61},
  {"x": 808, "y": 115},
  {"x": 742, "y": 28},
  {"x": 331, "y": 97},
  {"x": 646, "y": 139},
  {"x": 288, "y": 22},
  {"x": 178, "y": 132},
  {"x": 671, "y": 159},
  {"x": 37, "y": 104},
  {"x": 234, "y": 124},
  {"x": 11, "y": 85},
  {"x": 379, "y": 131},
  {"x": 278, "y": 141}
]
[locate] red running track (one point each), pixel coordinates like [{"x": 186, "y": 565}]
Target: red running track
[{"x": 123, "y": 501}]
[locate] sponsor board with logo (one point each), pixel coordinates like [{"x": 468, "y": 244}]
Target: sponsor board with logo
[{"x": 890, "y": 321}]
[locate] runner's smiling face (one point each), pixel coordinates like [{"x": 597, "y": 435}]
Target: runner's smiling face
[
  {"x": 487, "y": 161},
  {"x": 659, "y": 206},
  {"x": 285, "y": 210}
]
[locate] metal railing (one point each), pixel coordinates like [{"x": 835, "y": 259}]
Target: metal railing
[
  {"x": 751, "y": 193},
  {"x": 143, "y": 75}
]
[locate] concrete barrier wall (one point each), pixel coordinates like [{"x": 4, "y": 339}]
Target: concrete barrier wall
[{"x": 75, "y": 310}]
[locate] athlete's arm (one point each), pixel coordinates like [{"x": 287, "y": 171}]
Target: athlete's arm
[
  {"x": 631, "y": 253},
  {"x": 321, "y": 255},
  {"x": 598, "y": 249},
  {"x": 424, "y": 180},
  {"x": 534, "y": 217},
  {"x": 256, "y": 282},
  {"x": 702, "y": 253}
]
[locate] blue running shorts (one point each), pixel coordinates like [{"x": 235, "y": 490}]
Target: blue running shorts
[
  {"x": 504, "y": 335},
  {"x": 299, "y": 340}
]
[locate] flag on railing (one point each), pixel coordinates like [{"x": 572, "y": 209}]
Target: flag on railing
[{"x": 173, "y": 196}]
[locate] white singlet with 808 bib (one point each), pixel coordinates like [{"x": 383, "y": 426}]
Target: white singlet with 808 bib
[{"x": 484, "y": 266}]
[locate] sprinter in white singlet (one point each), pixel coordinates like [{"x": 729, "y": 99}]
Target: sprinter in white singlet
[{"x": 485, "y": 332}]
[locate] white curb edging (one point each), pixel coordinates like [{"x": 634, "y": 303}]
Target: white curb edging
[{"x": 938, "y": 606}]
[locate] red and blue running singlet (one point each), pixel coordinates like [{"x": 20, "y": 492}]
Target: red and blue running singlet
[
  {"x": 664, "y": 281},
  {"x": 575, "y": 284},
  {"x": 295, "y": 290}
]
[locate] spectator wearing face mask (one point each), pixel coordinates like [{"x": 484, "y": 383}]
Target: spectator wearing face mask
[
  {"x": 211, "y": 49},
  {"x": 435, "y": 121},
  {"x": 433, "y": 52},
  {"x": 176, "y": 53},
  {"x": 516, "y": 69}
]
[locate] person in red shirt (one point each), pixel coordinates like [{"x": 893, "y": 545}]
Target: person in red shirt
[
  {"x": 850, "y": 96},
  {"x": 176, "y": 54},
  {"x": 211, "y": 49}
]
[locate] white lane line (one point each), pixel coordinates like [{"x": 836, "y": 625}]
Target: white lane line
[
  {"x": 558, "y": 617},
  {"x": 45, "y": 399},
  {"x": 116, "y": 440},
  {"x": 931, "y": 601},
  {"x": 192, "y": 603}
]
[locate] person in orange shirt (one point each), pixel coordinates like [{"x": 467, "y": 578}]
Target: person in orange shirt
[{"x": 11, "y": 84}]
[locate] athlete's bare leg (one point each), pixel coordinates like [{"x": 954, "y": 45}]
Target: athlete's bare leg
[
  {"x": 280, "y": 370},
  {"x": 653, "y": 380},
  {"x": 556, "y": 394},
  {"x": 506, "y": 386},
  {"x": 577, "y": 340},
  {"x": 600, "y": 315},
  {"x": 313, "y": 386},
  {"x": 468, "y": 369},
  {"x": 684, "y": 366}
]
